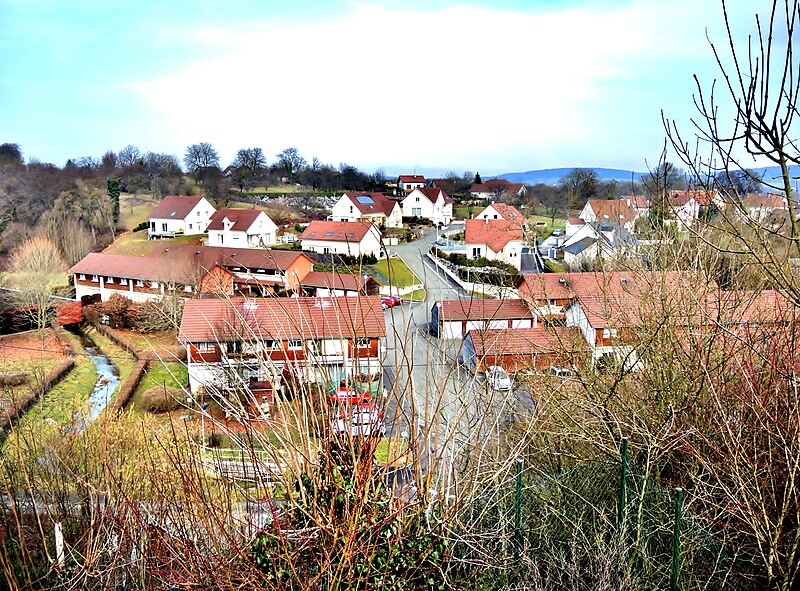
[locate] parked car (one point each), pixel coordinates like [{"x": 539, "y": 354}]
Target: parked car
[
  {"x": 398, "y": 301},
  {"x": 561, "y": 372},
  {"x": 288, "y": 239},
  {"x": 558, "y": 232},
  {"x": 498, "y": 378},
  {"x": 362, "y": 420},
  {"x": 389, "y": 301},
  {"x": 348, "y": 396}
]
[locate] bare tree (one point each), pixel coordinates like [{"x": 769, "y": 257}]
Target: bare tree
[
  {"x": 291, "y": 161},
  {"x": 200, "y": 156},
  {"x": 129, "y": 156}
]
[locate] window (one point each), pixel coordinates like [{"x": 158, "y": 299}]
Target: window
[
  {"x": 95, "y": 278},
  {"x": 198, "y": 214},
  {"x": 164, "y": 227},
  {"x": 205, "y": 347},
  {"x": 82, "y": 277},
  {"x": 294, "y": 344},
  {"x": 363, "y": 343},
  {"x": 609, "y": 333},
  {"x": 139, "y": 283},
  {"x": 221, "y": 238},
  {"x": 154, "y": 284},
  {"x": 123, "y": 281},
  {"x": 110, "y": 281},
  {"x": 416, "y": 211},
  {"x": 187, "y": 288},
  {"x": 153, "y": 226},
  {"x": 417, "y": 199},
  {"x": 190, "y": 226}
]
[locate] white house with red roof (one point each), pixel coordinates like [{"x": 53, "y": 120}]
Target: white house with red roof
[
  {"x": 408, "y": 182},
  {"x": 760, "y": 206},
  {"x": 248, "y": 228},
  {"x": 573, "y": 224},
  {"x": 367, "y": 207},
  {"x": 609, "y": 210},
  {"x": 495, "y": 188},
  {"x": 178, "y": 215},
  {"x": 496, "y": 240},
  {"x": 430, "y": 203},
  {"x": 502, "y": 211},
  {"x": 347, "y": 238}
]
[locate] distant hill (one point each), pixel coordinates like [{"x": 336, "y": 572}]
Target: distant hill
[{"x": 552, "y": 176}]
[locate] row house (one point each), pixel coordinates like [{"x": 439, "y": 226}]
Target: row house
[
  {"x": 321, "y": 285},
  {"x": 537, "y": 347},
  {"x": 178, "y": 215},
  {"x": 184, "y": 270},
  {"x": 368, "y": 207},
  {"x": 232, "y": 344},
  {"x": 453, "y": 319}
]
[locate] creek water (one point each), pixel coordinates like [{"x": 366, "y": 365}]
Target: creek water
[{"x": 104, "y": 387}]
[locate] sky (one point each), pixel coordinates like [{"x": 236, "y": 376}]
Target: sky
[{"x": 404, "y": 86}]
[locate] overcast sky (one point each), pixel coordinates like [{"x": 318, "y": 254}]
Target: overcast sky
[{"x": 490, "y": 86}]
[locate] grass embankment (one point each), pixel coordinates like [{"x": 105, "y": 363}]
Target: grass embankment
[
  {"x": 396, "y": 271},
  {"x": 136, "y": 243},
  {"x": 135, "y": 209}
]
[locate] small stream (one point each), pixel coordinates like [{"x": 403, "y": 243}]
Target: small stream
[{"x": 104, "y": 387}]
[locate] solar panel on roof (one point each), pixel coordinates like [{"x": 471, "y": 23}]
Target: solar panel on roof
[{"x": 365, "y": 200}]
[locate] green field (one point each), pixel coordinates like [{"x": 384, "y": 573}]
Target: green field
[{"x": 136, "y": 243}]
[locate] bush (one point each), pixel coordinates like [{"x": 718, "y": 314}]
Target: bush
[
  {"x": 144, "y": 317},
  {"x": 161, "y": 399},
  {"x": 15, "y": 378},
  {"x": 142, "y": 226}
]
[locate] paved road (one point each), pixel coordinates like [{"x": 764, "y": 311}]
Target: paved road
[{"x": 433, "y": 400}]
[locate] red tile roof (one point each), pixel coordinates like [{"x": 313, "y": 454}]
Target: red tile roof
[
  {"x": 337, "y": 281},
  {"x": 432, "y": 194},
  {"x": 768, "y": 201},
  {"x": 505, "y": 211},
  {"x": 680, "y": 198},
  {"x": 337, "y": 231},
  {"x": 183, "y": 263},
  {"x": 575, "y": 220},
  {"x": 636, "y": 201},
  {"x": 527, "y": 341},
  {"x": 380, "y": 203},
  {"x": 476, "y": 309},
  {"x": 208, "y": 320},
  {"x": 175, "y": 207},
  {"x": 493, "y": 233},
  {"x": 412, "y": 178},
  {"x": 242, "y": 219},
  {"x": 612, "y": 210}
]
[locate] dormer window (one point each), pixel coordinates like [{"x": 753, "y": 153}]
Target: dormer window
[
  {"x": 95, "y": 279},
  {"x": 82, "y": 277}
]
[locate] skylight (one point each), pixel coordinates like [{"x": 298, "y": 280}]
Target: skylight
[{"x": 365, "y": 199}]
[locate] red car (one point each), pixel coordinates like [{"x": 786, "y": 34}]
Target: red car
[{"x": 347, "y": 395}]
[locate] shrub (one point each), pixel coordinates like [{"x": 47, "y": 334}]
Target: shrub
[
  {"x": 161, "y": 399},
  {"x": 141, "y": 226},
  {"x": 15, "y": 378}
]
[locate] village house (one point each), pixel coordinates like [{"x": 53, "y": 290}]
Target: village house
[
  {"x": 502, "y": 211},
  {"x": 429, "y": 203},
  {"x": 321, "y": 285},
  {"x": 184, "y": 270},
  {"x": 233, "y": 343},
  {"x": 759, "y": 206},
  {"x": 453, "y": 319},
  {"x": 639, "y": 203},
  {"x": 244, "y": 228},
  {"x": 609, "y": 210},
  {"x": 368, "y": 207},
  {"x": 408, "y": 182},
  {"x": 354, "y": 239},
  {"x": 495, "y": 240},
  {"x": 178, "y": 215},
  {"x": 685, "y": 206},
  {"x": 574, "y": 223},
  {"x": 593, "y": 242},
  {"x": 497, "y": 189},
  {"x": 537, "y": 348}
]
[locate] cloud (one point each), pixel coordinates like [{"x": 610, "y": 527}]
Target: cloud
[{"x": 462, "y": 86}]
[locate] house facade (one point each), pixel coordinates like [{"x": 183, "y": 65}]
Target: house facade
[
  {"x": 186, "y": 270},
  {"x": 502, "y": 211},
  {"x": 537, "y": 348},
  {"x": 178, "y": 215},
  {"x": 368, "y": 207},
  {"x": 430, "y": 203},
  {"x": 453, "y": 319},
  {"x": 496, "y": 240},
  {"x": 346, "y": 238},
  {"x": 408, "y": 182},
  {"x": 323, "y": 285},
  {"x": 231, "y": 344},
  {"x": 609, "y": 210},
  {"x": 246, "y": 228}
]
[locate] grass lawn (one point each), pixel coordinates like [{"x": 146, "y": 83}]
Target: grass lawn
[
  {"x": 396, "y": 271},
  {"x": 171, "y": 374},
  {"x": 23, "y": 352},
  {"x": 418, "y": 295},
  {"x": 392, "y": 451},
  {"x": 136, "y": 243},
  {"x": 21, "y": 280},
  {"x": 135, "y": 209}
]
